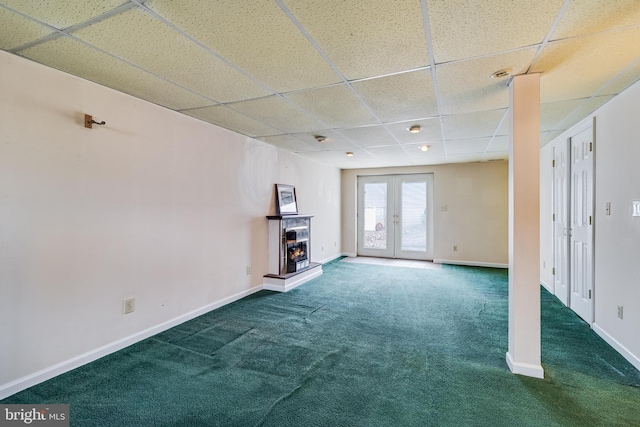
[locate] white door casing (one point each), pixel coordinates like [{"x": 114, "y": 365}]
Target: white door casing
[{"x": 561, "y": 221}]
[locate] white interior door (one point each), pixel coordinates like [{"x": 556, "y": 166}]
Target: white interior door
[
  {"x": 394, "y": 216},
  {"x": 581, "y": 225},
  {"x": 561, "y": 221}
]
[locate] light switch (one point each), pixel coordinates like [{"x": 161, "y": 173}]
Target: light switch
[
  {"x": 636, "y": 208},
  {"x": 607, "y": 208}
]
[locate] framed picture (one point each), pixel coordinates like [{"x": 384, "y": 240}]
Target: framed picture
[{"x": 286, "y": 200}]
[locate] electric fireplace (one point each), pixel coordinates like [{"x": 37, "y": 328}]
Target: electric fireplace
[{"x": 290, "y": 251}]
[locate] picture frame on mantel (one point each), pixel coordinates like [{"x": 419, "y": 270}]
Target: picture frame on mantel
[{"x": 286, "y": 203}]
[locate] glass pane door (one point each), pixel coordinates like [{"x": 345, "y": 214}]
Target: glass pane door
[
  {"x": 375, "y": 214},
  {"x": 394, "y": 216}
]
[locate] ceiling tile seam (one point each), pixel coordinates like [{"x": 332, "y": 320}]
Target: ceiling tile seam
[
  {"x": 324, "y": 56},
  {"x": 203, "y": 46},
  {"x": 495, "y": 133},
  {"x": 144, "y": 70},
  {"x": 59, "y": 32},
  {"x": 396, "y": 73},
  {"x": 231, "y": 64},
  {"x": 284, "y": 132},
  {"x": 351, "y": 141},
  {"x": 558, "y": 125},
  {"x": 597, "y": 33},
  {"x": 432, "y": 62},
  {"x": 549, "y": 34},
  {"x": 487, "y": 55}
]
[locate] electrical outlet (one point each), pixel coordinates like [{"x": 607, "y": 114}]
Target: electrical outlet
[
  {"x": 620, "y": 312},
  {"x": 128, "y": 306},
  {"x": 322, "y": 247},
  {"x": 248, "y": 270},
  {"x": 455, "y": 248}
]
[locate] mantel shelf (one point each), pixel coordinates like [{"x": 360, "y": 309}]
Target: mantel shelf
[{"x": 279, "y": 217}]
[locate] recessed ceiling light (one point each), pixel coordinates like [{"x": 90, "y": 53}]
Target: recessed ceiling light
[
  {"x": 415, "y": 129},
  {"x": 349, "y": 153},
  {"x": 320, "y": 138},
  {"x": 424, "y": 147},
  {"x": 500, "y": 74}
]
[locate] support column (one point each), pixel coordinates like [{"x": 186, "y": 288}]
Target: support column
[{"x": 523, "y": 356}]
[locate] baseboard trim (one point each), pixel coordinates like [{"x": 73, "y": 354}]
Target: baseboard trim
[
  {"x": 281, "y": 284},
  {"x": 546, "y": 286},
  {"x": 350, "y": 254},
  {"x": 525, "y": 369},
  {"x": 331, "y": 258},
  {"x": 30, "y": 380},
  {"x": 632, "y": 358},
  {"x": 471, "y": 263}
]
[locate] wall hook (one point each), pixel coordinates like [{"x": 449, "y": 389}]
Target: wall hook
[{"x": 89, "y": 122}]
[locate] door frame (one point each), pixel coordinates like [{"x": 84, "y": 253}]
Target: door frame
[
  {"x": 394, "y": 183},
  {"x": 561, "y": 284}
]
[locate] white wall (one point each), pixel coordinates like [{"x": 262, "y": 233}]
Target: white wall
[
  {"x": 155, "y": 205},
  {"x": 617, "y": 237},
  {"x": 476, "y": 218}
]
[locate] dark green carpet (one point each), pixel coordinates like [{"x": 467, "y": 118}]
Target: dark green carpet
[{"x": 362, "y": 345}]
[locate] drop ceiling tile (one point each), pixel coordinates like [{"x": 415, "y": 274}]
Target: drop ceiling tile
[
  {"x": 339, "y": 158},
  {"x": 334, "y": 141},
  {"x": 336, "y": 106},
  {"x": 290, "y": 143},
  {"x": 16, "y": 30},
  {"x": 499, "y": 144},
  {"x": 547, "y": 137},
  {"x": 435, "y": 149},
  {"x": 366, "y": 39},
  {"x": 472, "y": 125},
  {"x": 496, "y": 156},
  {"x": 257, "y": 36},
  {"x": 77, "y": 58},
  {"x": 583, "y": 111},
  {"x": 278, "y": 113},
  {"x": 392, "y": 152},
  {"x": 467, "y": 146},
  {"x": 552, "y": 113},
  {"x": 63, "y": 14},
  {"x": 369, "y": 136},
  {"x": 578, "y": 68},
  {"x": 429, "y": 160},
  {"x": 465, "y": 158},
  {"x": 400, "y": 97},
  {"x": 588, "y": 17},
  {"x": 624, "y": 80},
  {"x": 467, "y": 86},
  {"x": 464, "y": 29},
  {"x": 430, "y": 131},
  {"x": 137, "y": 37},
  {"x": 227, "y": 118}
]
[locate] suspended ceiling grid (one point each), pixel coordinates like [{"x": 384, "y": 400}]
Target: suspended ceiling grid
[{"x": 358, "y": 73}]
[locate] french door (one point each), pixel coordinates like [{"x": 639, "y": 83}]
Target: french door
[{"x": 395, "y": 216}]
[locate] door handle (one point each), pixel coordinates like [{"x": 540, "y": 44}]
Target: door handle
[{"x": 571, "y": 232}]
